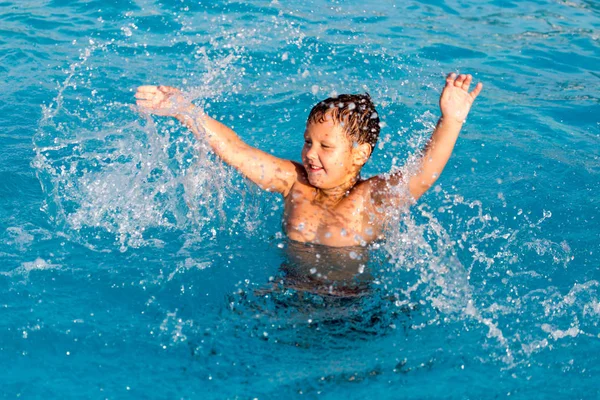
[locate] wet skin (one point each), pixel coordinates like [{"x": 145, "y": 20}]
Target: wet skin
[
  {"x": 328, "y": 204},
  {"x": 340, "y": 272}
]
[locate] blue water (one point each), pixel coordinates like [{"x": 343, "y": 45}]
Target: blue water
[{"x": 135, "y": 265}]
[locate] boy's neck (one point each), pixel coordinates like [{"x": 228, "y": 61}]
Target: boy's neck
[{"x": 332, "y": 196}]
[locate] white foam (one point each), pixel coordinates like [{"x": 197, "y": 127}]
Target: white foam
[
  {"x": 556, "y": 333},
  {"x": 39, "y": 264},
  {"x": 188, "y": 264}
]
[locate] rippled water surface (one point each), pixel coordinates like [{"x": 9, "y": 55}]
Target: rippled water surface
[{"x": 136, "y": 265}]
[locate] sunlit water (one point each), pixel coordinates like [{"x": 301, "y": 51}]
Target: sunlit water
[{"x": 135, "y": 264}]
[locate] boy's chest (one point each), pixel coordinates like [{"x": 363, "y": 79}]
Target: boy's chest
[{"x": 348, "y": 223}]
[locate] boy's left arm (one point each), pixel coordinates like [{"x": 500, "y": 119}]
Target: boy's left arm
[{"x": 455, "y": 103}]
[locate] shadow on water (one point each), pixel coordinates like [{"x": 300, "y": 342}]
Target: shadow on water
[{"x": 319, "y": 296}]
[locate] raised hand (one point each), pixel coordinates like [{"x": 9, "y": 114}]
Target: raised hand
[
  {"x": 456, "y": 101},
  {"x": 162, "y": 100}
]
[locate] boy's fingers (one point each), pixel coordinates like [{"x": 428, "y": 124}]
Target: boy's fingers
[
  {"x": 144, "y": 103},
  {"x": 147, "y": 88},
  {"x": 459, "y": 81},
  {"x": 144, "y": 95},
  {"x": 467, "y": 82},
  {"x": 168, "y": 89},
  {"x": 450, "y": 78},
  {"x": 477, "y": 90}
]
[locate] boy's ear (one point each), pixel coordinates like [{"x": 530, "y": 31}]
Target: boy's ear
[{"x": 362, "y": 153}]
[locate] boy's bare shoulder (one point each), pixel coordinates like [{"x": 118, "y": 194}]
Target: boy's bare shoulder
[
  {"x": 384, "y": 189},
  {"x": 379, "y": 184},
  {"x": 301, "y": 182}
]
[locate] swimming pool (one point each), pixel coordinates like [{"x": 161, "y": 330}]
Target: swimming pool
[{"x": 136, "y": 265}]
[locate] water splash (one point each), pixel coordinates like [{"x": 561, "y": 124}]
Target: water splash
[
  {"x": 113, "y": 175},
  {"x": 459, "y": 263}
]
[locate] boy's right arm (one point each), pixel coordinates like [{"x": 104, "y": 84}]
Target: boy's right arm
[{"x": 269, "y": 172}]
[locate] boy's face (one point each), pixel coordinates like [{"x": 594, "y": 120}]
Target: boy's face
[{"x": 328, "y": 155}]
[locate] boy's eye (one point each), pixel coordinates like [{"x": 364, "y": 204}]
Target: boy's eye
[
  {"x": 308, "y": 142},
  {"x": 325, "y": 146}
]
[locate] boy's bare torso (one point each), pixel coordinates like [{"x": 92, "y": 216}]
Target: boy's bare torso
[{"x": 350, "y": 221}]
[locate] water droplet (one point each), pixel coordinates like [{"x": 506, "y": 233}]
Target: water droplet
[{"x": 126, "y": 31}]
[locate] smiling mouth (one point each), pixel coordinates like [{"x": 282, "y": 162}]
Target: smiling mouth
[{"x": 313, "y": 168}]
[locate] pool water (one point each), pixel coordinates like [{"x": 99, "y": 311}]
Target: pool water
[{"x": 136, "y": 265}]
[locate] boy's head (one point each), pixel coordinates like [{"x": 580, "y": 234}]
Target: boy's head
[
  {"x": 355, "y": 113},
  {"x": 340, "y": 135}
]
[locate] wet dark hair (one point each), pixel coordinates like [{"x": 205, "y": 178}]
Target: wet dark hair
[{"x": 355, "y": 112}]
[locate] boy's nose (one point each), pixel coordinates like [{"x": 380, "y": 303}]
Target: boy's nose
[{"x": 311, "y": 154}]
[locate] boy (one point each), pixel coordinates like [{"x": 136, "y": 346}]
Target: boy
[{"x": 326, "y": 201}]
